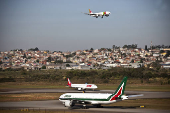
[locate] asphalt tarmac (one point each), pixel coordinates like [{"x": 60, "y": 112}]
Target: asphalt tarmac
[
  {"x": 146, "y": 94},
  {"x": 57, "y": 105}
]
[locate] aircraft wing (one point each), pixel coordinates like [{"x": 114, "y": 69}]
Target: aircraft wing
[
  {"x": 87, "y": 13},
  {"x": 90, "y": 14},
  {"x": 93, "y": 14}
]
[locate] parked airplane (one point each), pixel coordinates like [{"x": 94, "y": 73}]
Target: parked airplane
[
  {"x": 106, "y": 13},
  {"x": 69, "y": 99},
  {"x": 81, "y": 86}
]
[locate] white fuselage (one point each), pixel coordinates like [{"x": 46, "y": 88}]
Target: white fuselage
[
  {"x": 84, "y": 86},
  {"x": 101, "y": 14},
  {"x": 97, "y": 14},
  {"x": 92, "y": 98}
]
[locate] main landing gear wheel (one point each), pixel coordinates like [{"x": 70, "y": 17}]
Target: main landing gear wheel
[
  {"x": 84, "y": 91},
  {"x": 99, "y": 106},
  {"x": 84, "y": 106},
  {"x": 70, "y": 107}
]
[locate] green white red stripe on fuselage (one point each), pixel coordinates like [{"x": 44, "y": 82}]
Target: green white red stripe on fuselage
[{"x": 93, "y": 98}]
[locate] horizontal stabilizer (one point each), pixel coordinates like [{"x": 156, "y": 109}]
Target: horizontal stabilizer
[{"x": 135, "y": 95}]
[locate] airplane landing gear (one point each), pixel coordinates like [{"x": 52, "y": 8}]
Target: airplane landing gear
[
  {"x": 70, "y": 107},
  {"x": 84, "y": 90},
  {"x": 99, "y": 106},
  {"x": 84, "y": 106}
]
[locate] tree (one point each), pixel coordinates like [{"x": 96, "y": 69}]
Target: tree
[
  {"x": 82, "y": 53},
  {"x": 167, "y": 54},
  {"x": 1, "y": 62},
  {"x": 124, "y": 54},
  {"x": 37, "y": 60},
  {"x": 67, "y": 65},
  {"x": 36, "y": 49},
  {"x": 141, "y": 60},
  {"x": 156, "y": 65},
  {"x": 125, "y": 46},
  {"x": 49, "y": 59},
  {"x": 132, "y": 61},
  {"x": 109, "y": 49},
  {"x": 32, "y": 49},
  {"x": 24, "y": 56},
  {"x": 43, "y": 67},
  {"x": 91, "y": 49},
  {"x": 162, "y": 51},
  {"x": 59, "y": 61},
  {"x": 113, "y": 47},
  {"x": 29, "y": 57},
  {"x": 134, "y": 46}
]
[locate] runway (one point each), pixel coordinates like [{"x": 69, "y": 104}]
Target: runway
[
  {"x": 146, "y": 94},
  {"x": 57, "y": 105}
]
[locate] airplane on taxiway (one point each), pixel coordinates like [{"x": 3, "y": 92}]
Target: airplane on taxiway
[
  {"x": 81, "y": 86},
  {"x": 96, "y": 99},
  {"x": 101, "y": 14}
]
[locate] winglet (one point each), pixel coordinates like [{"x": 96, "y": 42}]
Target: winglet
[{"x": 69, "y": 82}]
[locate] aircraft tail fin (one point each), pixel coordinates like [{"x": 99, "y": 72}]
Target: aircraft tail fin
[
  {"x": 69, "y": 82},
  {"x": 90, "y": 11},
  {"x": 119, "y": 91}
]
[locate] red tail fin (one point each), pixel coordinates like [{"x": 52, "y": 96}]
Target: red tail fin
[
  {"x": 69, "y": 82},
  {"x": 90, "y": 11}
]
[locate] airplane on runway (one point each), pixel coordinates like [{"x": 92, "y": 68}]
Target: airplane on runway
[
  {"x": 101, "y": 14},
  {"x": 70, "y": 99},
  {"x": 81, "y": 86}
]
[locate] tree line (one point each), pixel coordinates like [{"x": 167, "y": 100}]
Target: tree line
[{"x": 91, "y": 76}]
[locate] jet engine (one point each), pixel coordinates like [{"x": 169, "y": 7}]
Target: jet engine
[
  {"x": 68, "y": 103},
  {"x": 79, "y": 88},
  {"x": 96, "y": 16}
]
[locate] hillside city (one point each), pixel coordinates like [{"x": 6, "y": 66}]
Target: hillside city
[{"x": 128, "y": 56}]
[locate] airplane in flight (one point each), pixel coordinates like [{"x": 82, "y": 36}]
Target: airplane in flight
[
  {"x": 81, "y": 86},
  {"x": 101, "y": 14},
  {"x": 96, "y": 99}
]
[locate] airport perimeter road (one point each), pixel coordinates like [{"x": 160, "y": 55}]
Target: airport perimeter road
[
  {"x": 57, "y": 105},
  {"x": 146, "y": 94}
]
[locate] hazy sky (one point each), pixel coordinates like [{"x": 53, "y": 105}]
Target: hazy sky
[{"x": 59, "y": 25}]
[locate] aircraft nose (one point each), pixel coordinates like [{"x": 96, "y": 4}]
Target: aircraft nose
[{"x": 62, "y": 96}]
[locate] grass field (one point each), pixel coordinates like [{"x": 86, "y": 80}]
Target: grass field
[
  {"x": 45, "y": 111},
  {"x": 129, "y": 87},
  {"x": 163, "y": 104},
  {"x": 137, "y": 87},
  {"x": 29, "y": 97}
]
